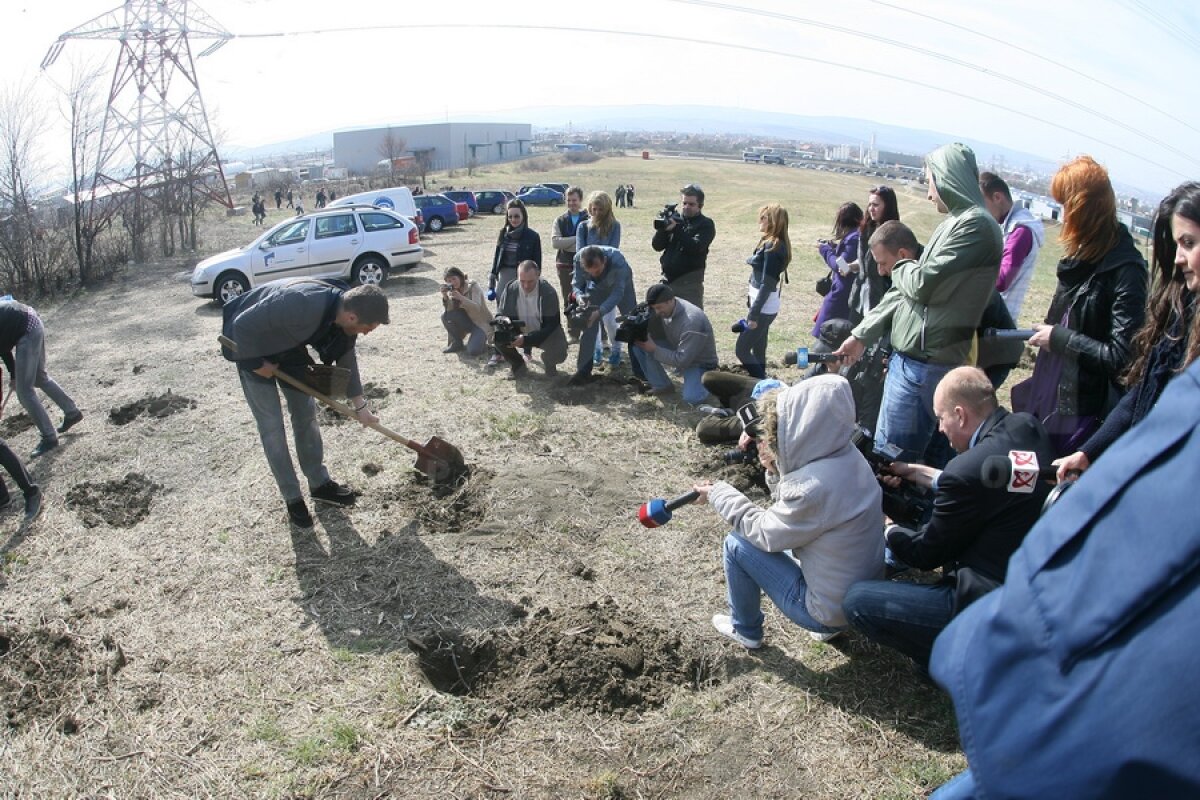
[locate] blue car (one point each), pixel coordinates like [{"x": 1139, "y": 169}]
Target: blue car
[
  {"x": 541, "y": 196},
  {"x": 465, "y": 197},
  {"x": 438, "y": 210}
]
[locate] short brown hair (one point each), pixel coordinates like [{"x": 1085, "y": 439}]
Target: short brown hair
[
  {"x": 894, "y": 235},
  {"x": 368, "y": 303},
  {"x": 990, "y": 183}
]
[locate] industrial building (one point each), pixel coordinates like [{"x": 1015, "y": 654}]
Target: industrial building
[{"x": 445, "y": 145}]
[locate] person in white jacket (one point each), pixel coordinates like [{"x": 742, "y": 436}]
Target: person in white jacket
[{"x": 827, "y": 511}]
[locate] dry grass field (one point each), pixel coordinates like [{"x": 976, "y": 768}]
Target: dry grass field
[{"x": 165, "y": 634}]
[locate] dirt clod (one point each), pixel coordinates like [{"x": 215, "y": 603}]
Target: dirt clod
[
  {"x": 163, "y": 405},
  {"x": 371, "y": 469},
  {"x": 597, "y": 658},
  {"x": 441, "y": 507},
  {"x": 120, "y": 503}
]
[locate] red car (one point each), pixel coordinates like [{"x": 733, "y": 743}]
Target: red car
[{"x": 464, "y": 211}]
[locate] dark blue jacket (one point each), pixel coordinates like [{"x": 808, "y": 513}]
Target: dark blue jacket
[{"x": 1078, "y": 677}]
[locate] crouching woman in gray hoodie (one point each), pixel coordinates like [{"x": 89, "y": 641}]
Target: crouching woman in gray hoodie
[{"x": 826, "y": 511}]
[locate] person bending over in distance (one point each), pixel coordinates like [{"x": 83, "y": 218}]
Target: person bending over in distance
[
  {"x": 273, "y": 326},
  {"x": 935, "y": 303},
  {"x": 768, "y": 265},
  {"x": 603, "y": 276},
  {"x": 826, "y": 509},
  {"x": 1023, "y": 237},
  {"x": 533, "y": 301},
  {"x": 681, "y": 337},
  {"x": 1169, "y": 340},
  {"x": 973, "y": 529},
  {"x": 684, "y": 244},
  {"x": 466, "y": 314}
]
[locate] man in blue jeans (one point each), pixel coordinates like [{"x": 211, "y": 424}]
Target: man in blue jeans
[
  {"x": 935, "y": 303},
  {"x": 681, "y": 337},
  {"x": 973, "y": 530}
]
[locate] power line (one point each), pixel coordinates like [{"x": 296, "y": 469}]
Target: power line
[
  {"x": 1058, "y": 98},
  {"x": 1163, "y": 23},
  {"x": 729, "y": 46}
]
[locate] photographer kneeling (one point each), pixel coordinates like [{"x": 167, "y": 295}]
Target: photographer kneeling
[
  {"x": 533, "y": 303},
  {"x": 687, "y": 343},
  {"x": 466, "y": 313},
  {"x": 826, "y": 510},
  {"x": 973, "y": 530}
]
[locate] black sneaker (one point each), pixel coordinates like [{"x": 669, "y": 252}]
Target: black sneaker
[
  {"x": 334, "y": 494},
  {"x": 581, "y": 379},
  {"x": 33, "y": 503},
  {"x": 70, "y": 421},
  {"x": 454, "y": 348},
  {"x": 298, "y": 514},
  {"x": 44, "y": 446}
]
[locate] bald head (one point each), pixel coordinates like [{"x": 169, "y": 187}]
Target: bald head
[{"x": 963, "y": 400}]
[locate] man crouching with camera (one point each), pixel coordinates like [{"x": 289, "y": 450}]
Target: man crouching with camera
[
  {"x": 682, "y": 338},
  {"x": 825, "y": 510},
  {"x": 529, "y": 317}
]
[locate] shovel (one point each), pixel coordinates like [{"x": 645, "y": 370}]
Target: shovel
[{"x": 437, "y": 458}]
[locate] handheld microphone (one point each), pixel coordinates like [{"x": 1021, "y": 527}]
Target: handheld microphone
[
  {"x": 1022, "y": 334},
  {"x": 1018, "y": 472},
  {"x": 800, "y": 358},
  {"x": 659, "y": 512}
]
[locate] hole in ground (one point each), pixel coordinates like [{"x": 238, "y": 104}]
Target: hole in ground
[{"x": 164, "y": 405}]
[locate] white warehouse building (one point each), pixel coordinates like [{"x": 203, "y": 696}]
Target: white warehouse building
[{"x": 449, "y": 145}]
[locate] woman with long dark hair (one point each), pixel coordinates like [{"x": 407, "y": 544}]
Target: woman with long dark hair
[
  {"x": 1168, "y": 341},
  {"x": 517, "y": 242},
  {"x": 870, "y": 286},
  {"x": 767, "y": 264},
  {"x": 839, "y": 253},
  {"x": 1086, "y": 341}
]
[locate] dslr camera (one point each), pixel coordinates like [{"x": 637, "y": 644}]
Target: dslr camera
[
  {"x": 750, "y": 418},
  {"x": 634, "y": 326},
  {"x": 669, "y": 213},
  {"x": 506, "y": 330}
]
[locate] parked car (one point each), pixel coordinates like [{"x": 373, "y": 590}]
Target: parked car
[
  {"x": 561, "y": 188},
  {"x": 438, "y": 210},
  {"x": 493, "y": 200},
  {"x": 463, "y": 196},
  {"x": 771, "y": 158},
  {"x": 464, "y": 210},
  {"x": 393, "y": 198},
  {"x": 360, "y": 243},
  {"x": 541, "y": 196}
]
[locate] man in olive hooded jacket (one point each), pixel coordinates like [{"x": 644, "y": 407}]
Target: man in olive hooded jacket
[{"x": 934, "y": 306}]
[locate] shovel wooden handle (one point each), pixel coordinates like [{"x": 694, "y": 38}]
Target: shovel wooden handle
[{"x": 341, "y": 408}]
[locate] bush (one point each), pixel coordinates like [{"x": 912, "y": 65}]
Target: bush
[{"x": 580, "y": 157}]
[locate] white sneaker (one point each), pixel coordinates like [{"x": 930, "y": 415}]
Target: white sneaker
[
  {"x": 724, "y": 625},
  {"x": 824, "y": 637}
]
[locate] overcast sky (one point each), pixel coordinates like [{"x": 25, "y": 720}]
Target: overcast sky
[{"x": 1114, "y": 78}]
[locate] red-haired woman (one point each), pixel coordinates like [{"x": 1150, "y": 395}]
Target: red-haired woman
[{"x": 1086, "y": 342}]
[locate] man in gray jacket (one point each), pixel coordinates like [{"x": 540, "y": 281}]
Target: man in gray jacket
[
  {"x": 682, "y": 338},
  {"x": 534, "y": 302},
  {"x": 273, "y": 326}
]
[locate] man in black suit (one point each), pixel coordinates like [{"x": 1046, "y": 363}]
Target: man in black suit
[{"x": 973, "y": 529}]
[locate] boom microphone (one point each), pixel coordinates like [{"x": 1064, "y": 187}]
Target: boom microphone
[
  {"x": 658, "y": 511},
  {"x": 1017, "y": 472}
]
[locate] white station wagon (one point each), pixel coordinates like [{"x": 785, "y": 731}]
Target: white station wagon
[{"x": 360, "y": 244}]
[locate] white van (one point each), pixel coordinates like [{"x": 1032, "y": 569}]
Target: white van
[{"x": 395, "y": 198}]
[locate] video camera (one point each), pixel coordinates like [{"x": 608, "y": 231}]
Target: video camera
[
  {"x": 802, "y": 358},
  {"x": 577, "y": 313},
  {"x": 907, "y": 504},
  {"x": 506, "y": 330},
  {"x": 750, "y": 418},
  {"x": 634, "y": 326},
  {"x": 669, "y": 214}
]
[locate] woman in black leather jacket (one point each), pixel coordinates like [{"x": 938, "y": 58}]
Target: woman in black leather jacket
[
  {"x": 517, "y": 243},
  {"x": 1098, "y": 307}
]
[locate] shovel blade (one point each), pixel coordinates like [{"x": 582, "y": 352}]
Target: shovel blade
[{"x": 440, "y": 460}]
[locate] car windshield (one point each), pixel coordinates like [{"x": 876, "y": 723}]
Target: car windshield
[{"x": 289, "y": 234}]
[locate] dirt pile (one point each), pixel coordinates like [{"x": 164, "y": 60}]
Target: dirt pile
[
  {"x": 46, "y": 671},
  {"x": 120, "y": 503},
  {"x": 17, "y": 423},
  {"x": 442, "y": 507},
  {"x": 596, "y": 658},
  {"x": 164, "y": 405}
]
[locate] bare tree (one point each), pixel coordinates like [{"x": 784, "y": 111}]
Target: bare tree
[
  {"x": 23, "y": 245},
  {"x": 423, "y": 162},
  {"x": 83, "y": 110},
  {"x": 392, "y": 148}
]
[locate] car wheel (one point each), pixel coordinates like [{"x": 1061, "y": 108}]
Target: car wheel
[
  {"x": 228, "y": 286},
  {"x": 435, "y": 224},
  {"x": 498, "y": 208},
  {"x": 370, "y": 271}
]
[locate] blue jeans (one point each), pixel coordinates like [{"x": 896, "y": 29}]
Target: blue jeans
[
  {"x": 29, "y": 358},
  {"x": 904, "y": 616},
  {"x": 906, "y": 417},
  {"x": 262, "y": 395},
  {"x": 960, "y": 787},
  {"x": 751, "y": 346},
  {"x": 749, "y": 572},
  {"x": 694, "y": 392}
]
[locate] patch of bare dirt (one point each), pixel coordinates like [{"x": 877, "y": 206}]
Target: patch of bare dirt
[
  {"x": 120, "y": 503},
  {"x": 597, "y": 658},
  {"x": 441, "y": 507},
  {"x": 155, "y": 406},
  {"x": 17, "y": 423}
]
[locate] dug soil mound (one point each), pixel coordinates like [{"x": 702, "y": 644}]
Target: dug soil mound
[
  {"x": 163, "y": 405},
  {"x": 17, "y": 423},
  {"x": 120, "y": 503},
  {"x": 442, "y": 507},
  {"x": 597, "y": 658},
  {"x": 47, "y": 671}
]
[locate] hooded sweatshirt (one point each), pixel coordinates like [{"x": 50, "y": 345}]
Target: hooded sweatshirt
[
  {"x": 934, "y": 305},
  {"x": 827, "y": 503}
]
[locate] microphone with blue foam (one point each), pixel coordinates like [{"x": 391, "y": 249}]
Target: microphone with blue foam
[{"x": 801, "y": 358}]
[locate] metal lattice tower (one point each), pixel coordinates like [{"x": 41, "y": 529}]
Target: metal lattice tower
[{"x": 155, "y": 113}]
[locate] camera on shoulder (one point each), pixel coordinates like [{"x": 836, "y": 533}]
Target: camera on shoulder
[
  {"x": 669, "y": 214},
  {"x": 634, "y": 326}
]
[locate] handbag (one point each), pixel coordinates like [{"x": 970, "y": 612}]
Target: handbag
[{"x": 824, "y": 285}]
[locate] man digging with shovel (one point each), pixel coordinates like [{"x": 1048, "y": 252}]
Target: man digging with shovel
[{"x": 271, "y": 329}]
